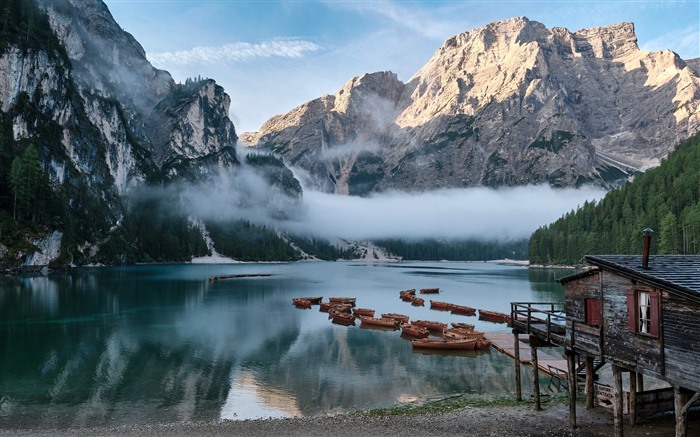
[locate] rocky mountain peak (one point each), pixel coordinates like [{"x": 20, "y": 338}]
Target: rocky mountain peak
[{"x": 509, "y": 103}]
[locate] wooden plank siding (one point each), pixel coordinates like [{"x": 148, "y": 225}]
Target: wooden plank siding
[
  {"x": 681, "y": 332},
  {"x": 628, "y": 349}
]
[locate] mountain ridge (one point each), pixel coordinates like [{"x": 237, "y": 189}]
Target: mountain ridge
[{"x": 509, "y": 103}]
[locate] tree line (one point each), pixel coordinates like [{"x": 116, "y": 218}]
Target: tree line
[{"x": 665, "y": 199}]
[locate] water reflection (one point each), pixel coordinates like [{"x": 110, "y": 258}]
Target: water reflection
[{"x": 161, "y": 343}]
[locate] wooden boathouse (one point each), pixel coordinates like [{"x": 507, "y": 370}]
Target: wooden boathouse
[{"x": 641, "y": 314}]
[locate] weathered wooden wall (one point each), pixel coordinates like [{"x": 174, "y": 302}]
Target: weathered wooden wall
[
  {"x": 585, "y": 338},
  {"x": 629, "y": 349},
  {"x": 681, "y": 330}
]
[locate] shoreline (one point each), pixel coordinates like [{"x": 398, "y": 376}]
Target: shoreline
[{"x": 494, "y": 420}]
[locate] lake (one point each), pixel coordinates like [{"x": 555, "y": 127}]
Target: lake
[{"x": 145, "y": 344}]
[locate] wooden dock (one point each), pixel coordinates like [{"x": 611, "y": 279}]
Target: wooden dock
[{"x": 505, "y": 342}]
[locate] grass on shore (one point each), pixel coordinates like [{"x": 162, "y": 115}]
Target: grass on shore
[{"x": 463, "y": 401}]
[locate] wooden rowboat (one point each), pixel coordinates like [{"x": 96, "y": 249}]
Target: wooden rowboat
[
  {"x": 429, "y": 290},
  {"x": 388, "y": 323},
  {"x": 414, "y": 330},
  {"x": 341, "y": 318},
  {"x": 438, "y": 343},
  {"x": 314, "y": 300},
  {"x": 494, "y": 316},
  {"x": 341, "y": 307},
  {"x": 417, "y": 302},
  {"x": 407, "y": 295},
  {"x": 301, "y": 303},
  {"x": 440, "y": 306},
  {"x": 433, "y": 326},
  {"x": 324, "y": 306},
  {"x": 346, "y": 300},
  {"x": 411, "y": 291},
  {"x": 363, "y": 312},
  {"x": 456, "y": 333},
  {"x": 462, "y": 309},
  {"x": 402, "y": 318},
  {"x": 467, "y": 326}
]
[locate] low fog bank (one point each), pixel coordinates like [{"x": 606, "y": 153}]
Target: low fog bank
[{"x": 472, "y": 213}]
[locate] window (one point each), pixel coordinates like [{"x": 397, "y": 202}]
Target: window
[
  {"x": 592, "y": 311},
  {"x": 643, "y": 311}
]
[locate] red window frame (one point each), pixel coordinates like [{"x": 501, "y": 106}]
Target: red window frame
[{"x": 633, "y": 314}]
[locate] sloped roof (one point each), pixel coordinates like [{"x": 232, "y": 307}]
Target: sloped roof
[{"x": 675, "y": 273}]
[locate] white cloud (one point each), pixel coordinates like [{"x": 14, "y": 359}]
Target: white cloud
[
  {"x": 471, "y": 213},
  {"x": 237, "y": 51},
  {"x": 685, "y": 42}
]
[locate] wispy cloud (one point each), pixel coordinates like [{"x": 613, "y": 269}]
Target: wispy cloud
[
  {"x": 237, "y": 51},
  {"x": 682, "y": 41},
  {"x": 471, "y": 213}
]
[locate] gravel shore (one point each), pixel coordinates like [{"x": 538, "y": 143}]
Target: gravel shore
[{"x": 469, "y": 421}]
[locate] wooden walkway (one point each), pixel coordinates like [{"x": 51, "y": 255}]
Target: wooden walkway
[{"x": 505, "y": 342}]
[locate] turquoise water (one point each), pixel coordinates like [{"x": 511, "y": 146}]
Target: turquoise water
[{"x": 132, "y": 345}]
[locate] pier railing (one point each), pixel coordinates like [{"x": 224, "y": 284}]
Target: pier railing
[
  {"x": 548, "y": 321},
  {"x": 545, "y": 320}
]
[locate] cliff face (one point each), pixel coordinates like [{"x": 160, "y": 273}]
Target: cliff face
[
  {"x": 104, "y": 121},
  {"x": 510, "y": 103}
]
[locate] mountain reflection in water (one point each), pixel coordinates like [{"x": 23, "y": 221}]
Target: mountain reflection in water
[{"x": 116, "y": 346}]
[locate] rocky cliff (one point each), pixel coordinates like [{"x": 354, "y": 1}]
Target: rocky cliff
[
  {"x": 103, "y": 121},
  {"x": 510, "y": 103}
]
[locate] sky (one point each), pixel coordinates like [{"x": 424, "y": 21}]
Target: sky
[{"x": 271, "y": 56}]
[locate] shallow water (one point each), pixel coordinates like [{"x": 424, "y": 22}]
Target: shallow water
[{"x": 112, "y": 346}]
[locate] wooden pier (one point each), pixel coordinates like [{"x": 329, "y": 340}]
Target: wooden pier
[{"x": 505, "y": 342}]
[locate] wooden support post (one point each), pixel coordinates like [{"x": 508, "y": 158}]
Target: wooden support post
[
  {"x": 633, "y": 398},
  {"x": 590, "y": 378},
  {"x": 535, "y": 375},
  {"x": 573, "y": 383},
  {"x": 518, "y": 381},
  {"x": 640, "y": 382},
  {"x": 617, "y": 400},
  {"x": 679, "y": 400}
]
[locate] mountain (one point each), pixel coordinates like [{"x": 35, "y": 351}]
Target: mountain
[
  {"x": 510, "y": 103},
  {"x": 85, "y": 122}
]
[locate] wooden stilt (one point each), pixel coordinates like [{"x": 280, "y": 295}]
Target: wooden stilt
[
  {"x": 535, "y": 375},
  {"x": 640, "y": 382},
  {"x": 518, "y": 381},
  {"x": 679, "y": 401},
  {"x": 617, "y": 400},
  {"x": 633, "y": 398},
  {"x": 590, "y": 378},
  {"x": 571, "y": 361}
]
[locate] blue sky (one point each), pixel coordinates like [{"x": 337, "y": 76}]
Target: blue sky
[{"x": 271, "y": 56}]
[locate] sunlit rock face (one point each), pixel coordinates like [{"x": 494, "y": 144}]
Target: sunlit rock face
[{"x": 510, "y": 103}]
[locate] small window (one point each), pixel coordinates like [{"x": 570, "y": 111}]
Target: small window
[
  {"x": 644, "y": 324},
  {"x": 592, "y": 311},
  {"x": 643, "y": 311}
]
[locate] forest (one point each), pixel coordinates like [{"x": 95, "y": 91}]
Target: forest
[
  {"x": 665, "y": 199},
  {"x": 455, "y": 250}
]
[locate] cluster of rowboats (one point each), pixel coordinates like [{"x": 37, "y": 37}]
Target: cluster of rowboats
[{"x": 424, "y": 334}]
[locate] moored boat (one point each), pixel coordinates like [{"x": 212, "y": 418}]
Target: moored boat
[
  {"x": 301, "y": 303},
  {"x": 429, "y": 290},
  {"x": 363, "y": 312},
  {"x": 494, "y": 316},
  {"x": 466, "y": 326},
  {"x": 456, "y": 333},
  {"x": 414, "y": 330},
  {"x": 402, "y": 318},
  {"x": 433, "y": 326},
  {"x": 407, "y": 295},
  {"x": 388, "y": 323},
  {"x": 463, "y": 309},
  {"x": 346, "y": 300},
  {"x": 417, "y": 302},
  {"x": 341, "y": 318},
  {"x": 440, "y": 306},
  {"x": 324, "y": 306},
  {"x": 314, "y": 300},
  {"x": 439, "y": 343}
]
